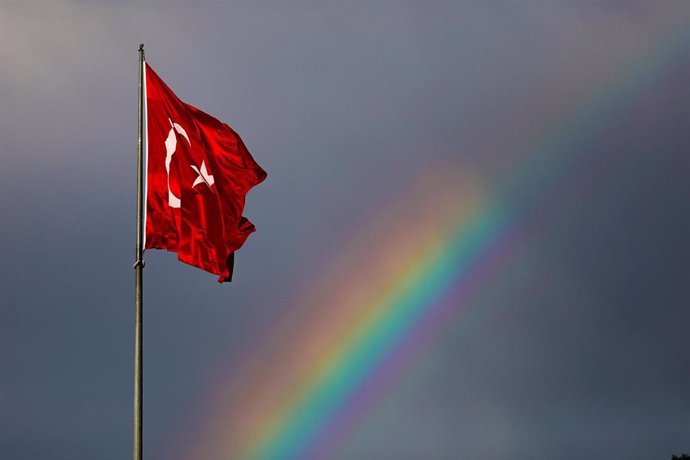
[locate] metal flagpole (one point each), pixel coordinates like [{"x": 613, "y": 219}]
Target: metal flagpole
[{"x": 138, "y": 421}]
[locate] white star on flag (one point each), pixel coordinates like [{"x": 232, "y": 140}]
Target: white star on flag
[{"x": 204, "y": 176}]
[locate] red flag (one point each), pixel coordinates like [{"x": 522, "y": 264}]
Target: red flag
[{"x": 198, "y": 174}]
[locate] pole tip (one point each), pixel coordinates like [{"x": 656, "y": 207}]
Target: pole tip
[{"x": 141, "y": 47}]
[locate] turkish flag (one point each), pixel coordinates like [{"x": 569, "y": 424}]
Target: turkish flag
[{"x": 198, "y": 174}]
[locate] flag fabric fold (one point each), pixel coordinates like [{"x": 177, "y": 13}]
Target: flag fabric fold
[{"x": 198, "y": 172}]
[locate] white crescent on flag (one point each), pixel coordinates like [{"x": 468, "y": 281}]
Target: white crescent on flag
[{"x": 170, "y": 147}]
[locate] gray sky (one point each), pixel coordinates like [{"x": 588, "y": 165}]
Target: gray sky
[{"x": 575, "y": 116}]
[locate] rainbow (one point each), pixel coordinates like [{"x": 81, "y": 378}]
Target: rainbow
[{"x": 344, "y": 343}]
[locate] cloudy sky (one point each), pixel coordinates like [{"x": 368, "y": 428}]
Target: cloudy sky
[{"x": 472, "y": 242}]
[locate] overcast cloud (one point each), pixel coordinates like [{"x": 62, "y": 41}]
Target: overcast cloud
[{"x": 578, "y": 348}]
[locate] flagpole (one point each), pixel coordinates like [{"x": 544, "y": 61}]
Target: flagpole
[{"x": 138, "y": 420}]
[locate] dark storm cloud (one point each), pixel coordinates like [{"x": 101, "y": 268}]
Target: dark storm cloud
[{"x": 579, "y": 348}]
